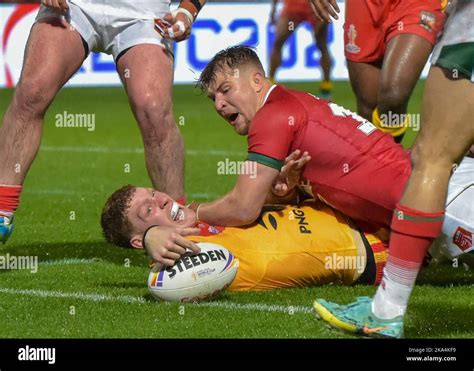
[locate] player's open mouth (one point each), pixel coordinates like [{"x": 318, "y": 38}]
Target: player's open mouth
[
  {"x": 233, "y": 117},
  {"x": 176, "y": 212}
]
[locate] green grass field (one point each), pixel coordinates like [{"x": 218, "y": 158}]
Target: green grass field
[{"x": 87, "y": 288}]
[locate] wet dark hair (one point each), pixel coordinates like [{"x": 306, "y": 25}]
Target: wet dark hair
[{"x": 231, "y": 58}]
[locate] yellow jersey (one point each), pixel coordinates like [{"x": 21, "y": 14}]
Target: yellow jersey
[{"x": 293, "y": 246}]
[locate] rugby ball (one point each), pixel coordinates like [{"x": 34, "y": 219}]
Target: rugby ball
[{"x": 195, "y": 277}]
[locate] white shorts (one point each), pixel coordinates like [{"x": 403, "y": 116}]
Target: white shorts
[
  {"x": 458, "y": 226},
  {"x": 112, "y": 27}
]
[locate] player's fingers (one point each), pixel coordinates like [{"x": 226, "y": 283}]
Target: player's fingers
[
  {"x": 172, "y": 255},
  {"x": 302, "y": 161},
  {"x": 320, "y": 7},
  {"x": 335, "y": 6},
  {"x": 188, "y": 231},
  {"x": 177, "y": 249},
  {"x": 58, "y": 5},
  {"x": 181, "y": 241},
  {"x": 165, "y": 262},
  {"x": 316, "y": 11},
  {"x": 64, "y": 5},
  {"x": 293, "y": 155},
  {"x": 168, "y": 17},
  {"x": 330, "y": 10}
]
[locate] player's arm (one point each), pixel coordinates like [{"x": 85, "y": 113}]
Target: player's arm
[
  {"x": 179, "y": 22},
  {"x": 243, "y": 204}
]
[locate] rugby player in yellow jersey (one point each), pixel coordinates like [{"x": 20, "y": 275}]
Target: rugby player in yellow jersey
[{"x": 288, "y": 246}]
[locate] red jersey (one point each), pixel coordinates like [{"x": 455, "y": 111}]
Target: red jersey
[{"x": 354, "y": 167}]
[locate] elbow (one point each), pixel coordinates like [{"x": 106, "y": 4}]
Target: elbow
[{"x": 247, "y": 215}]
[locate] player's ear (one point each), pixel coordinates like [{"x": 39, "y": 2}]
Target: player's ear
[
  {"x": 136, "y": 241},
  {"x": 257, "y": 79}
]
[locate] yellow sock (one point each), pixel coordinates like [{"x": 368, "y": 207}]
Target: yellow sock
[
  {"x": 395, "y": 130},
  {"x": 326, "y": 85}
]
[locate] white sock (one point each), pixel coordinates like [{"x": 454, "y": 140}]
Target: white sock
[
  {"x": 392, "y": 295},
  {"x": 8, "y": 214}
]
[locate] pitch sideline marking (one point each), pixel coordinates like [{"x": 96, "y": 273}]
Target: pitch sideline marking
[
  {"x": 136, "y": 299},
  {"x": 135, "y": 150}
]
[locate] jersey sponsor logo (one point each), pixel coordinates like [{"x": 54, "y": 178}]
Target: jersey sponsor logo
[
  {"x": 271, "y": 219},
  {"x": 351, "y": 46},
  {"x": 209, "y": 230},
  {"x": 427, "y": 20},
  {"x": 462, "y": 238},
  {"x": 300, "y": 216},
  {"x": 191, "y": 261}
]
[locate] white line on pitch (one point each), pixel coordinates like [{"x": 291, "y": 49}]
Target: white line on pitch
[
  {"x": 69, "y": 261},
  {"x": 136, "y": 150},
  {"x": 137, "y": 299},
  {"x": 72, "y": 295}
]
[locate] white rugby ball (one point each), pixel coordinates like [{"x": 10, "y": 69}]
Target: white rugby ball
[{"x": 195, "y": 277}]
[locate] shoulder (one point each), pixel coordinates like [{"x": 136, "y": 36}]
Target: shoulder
[{"x": 283, "y": 105}]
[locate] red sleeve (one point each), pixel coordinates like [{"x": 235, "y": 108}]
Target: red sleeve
[{"x": 272, "y": 132}]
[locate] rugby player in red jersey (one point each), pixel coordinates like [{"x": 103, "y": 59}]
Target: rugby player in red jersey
[
  {"x": 135, "y": 34},
  {"x": 294, "y": 13},
  {"x": 387, "y": 44},
  {"x": 347, "y": 152}
]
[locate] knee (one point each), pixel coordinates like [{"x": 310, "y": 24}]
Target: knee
[
  {"x": 155, "y": 118},
  {"x": 392, "y": 98},
  {"x": 425, "y": 157},
  {"x": 30, "y": 99}
]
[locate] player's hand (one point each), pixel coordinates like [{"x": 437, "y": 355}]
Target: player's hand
[
  {"x": 290, "y": 173},
  {"x": 60, "y": 5},
  {"x": 176, "y": 26},
  {"x": 325, "y": 9},
  {"x": 165, "y": 245}
]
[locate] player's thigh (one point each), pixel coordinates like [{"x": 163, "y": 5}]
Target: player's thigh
[
  {"x": 284, "y": 28},
  {"x": 364, "y": 78},
  {"x": 446, "y": 131},
  {"x": 146, "y": 71},
  {"x": 404, "y": 59},
  {"x": 54, "y": 52}
]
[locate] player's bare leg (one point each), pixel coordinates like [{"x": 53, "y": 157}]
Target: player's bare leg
[
  {"x": 320, "y": 36},
  {"x": 364, "y": 78},
  {"x": 48, "y": 65},
  {"x": 404, "y": 59},
  {"x": 147, "y": 73},
  {"x": 284, "y": 28},
  {"x": 445, "y": 136}
]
